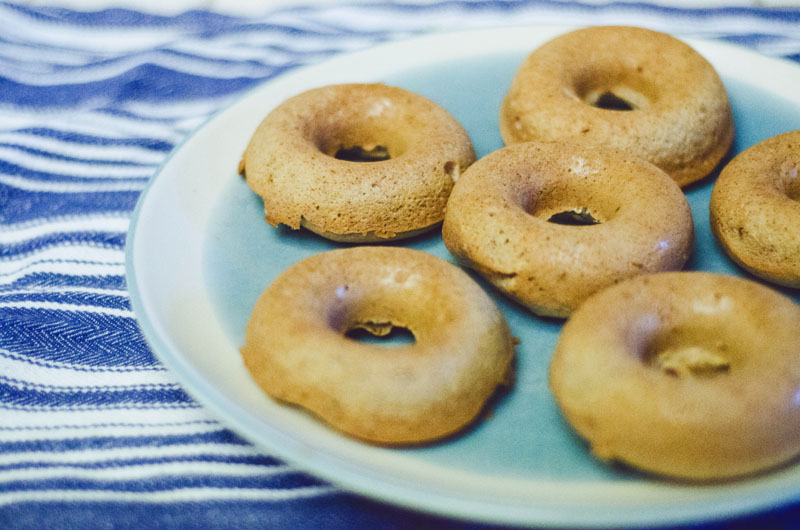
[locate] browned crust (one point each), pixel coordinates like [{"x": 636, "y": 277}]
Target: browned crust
[
  {"x": 496, "y": 222},
  {"x": 296, "y": 348},
  {"x": 755, "y": 209},
  {"x": 683, "y": 125},
  {"x": 289, "y": 162},
  {"x": 605, "y": 377}
]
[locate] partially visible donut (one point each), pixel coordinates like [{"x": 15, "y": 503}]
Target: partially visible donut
[
  {"x": 688, "y": 374},
  {"x": 306, "y": 160},
  {"x": 755, "y": 209},
  {"x": 297, "y": 350},
  {"x": 497, "y": 222},
  {"x": 629, "y": 88}
]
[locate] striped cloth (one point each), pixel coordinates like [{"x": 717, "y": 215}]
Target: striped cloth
[{"x": 95, "y": 433}]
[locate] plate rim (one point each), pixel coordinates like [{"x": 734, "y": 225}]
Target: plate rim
[{"x": 353, "y": 475}]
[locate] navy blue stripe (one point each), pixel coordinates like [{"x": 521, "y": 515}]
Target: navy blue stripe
[
  {"x": 146, "y": 82},
  {"x": 20, "y": 205},
  {"x": 10, "y": 168},
  {"x": 84, "y": 387},
  {"x": 114, "y": 240},
  {"x": 75, "y": 297},
  {"x": 221, "y": 437},
  {"x": 66, "y": 158},
  {"x": 133, "y": 116},
  {"x": 510, "y": 7},
  {"x": 52, "y": 279},
  {"x": 74, "y": 337},
  {"x": 282, "y": 481},
  {"x": 15, "y": 397},
  {"x": 120, "y": 18},
  {"x": 335, "y": 511},
  {"x": 255, "y": 460},
  {"x": 152, "y": 144}
]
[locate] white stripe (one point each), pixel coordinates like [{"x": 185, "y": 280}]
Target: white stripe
[
  {"x": 92, "y": 456},
  {"x": 22, "y": 183},
  {"x": 71, "y": 379},
  {"x": 55, "y": 306},
  {"x": 94, "y": 38},
  {"x": 73, "y": 168},
  {"x": 72, "y": 289},
  {"x": 234, "y": 48},
  {"x": 87, "y": 370},
  {"x": 61, "y": 267},
  {"x": 779, "y": 48},
  {"x": 86, "y": 119},
  {"x": 122, "y": 472},
  {"x": 95, "y": 419},
  {"x": 52, "y": 55},
  {"x": 305, "y": 47},
  {"x": 199, "y": 108},
  {"x": 172, "y": 495},
  {"x": 62, "y": 256},
  {"x": 90, "y": 223},
  {"x": 71, "y": 432},
  {"x": 105, "y": 153},
  {"x": 91, "y": 73},
  {"x": 76, "y": 289}
]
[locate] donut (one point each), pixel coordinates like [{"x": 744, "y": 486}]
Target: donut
[
  {"x": 504, "y": 220},
  {"x": 357, "y": 162},
  {"x": 691, "y": 375},
  {"x": 629, "y": 88},
  {"x": 755, "y": 209},
  {"x": 298, "y": 351}
]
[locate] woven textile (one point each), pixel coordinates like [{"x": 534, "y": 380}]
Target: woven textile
[{"x": 94, "y": 431}]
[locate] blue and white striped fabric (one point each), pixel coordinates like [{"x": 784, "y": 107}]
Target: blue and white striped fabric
[{"x": 94, "y": 432}]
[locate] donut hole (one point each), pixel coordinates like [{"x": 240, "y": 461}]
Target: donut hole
[
  {"x": 574, "y": 217},
  {"x": 689, "y": 352},
  {"x": 382, "y": 333},
  {"x": 569, "y": 199},
  {"x": 360, "y": 142},
  {"x": 452, "y": 169},
  {"x": 358, "y": 153},
  {"x": 614, "y": 89},
  {"x": 791, "y": 181},
  {"x": 610, "y": 101}
]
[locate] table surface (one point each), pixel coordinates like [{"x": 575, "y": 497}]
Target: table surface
[{"x": 95, "y": 432}]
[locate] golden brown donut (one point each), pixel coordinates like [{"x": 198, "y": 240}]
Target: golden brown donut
[
  {"x": 297, "y": 351},
  {"x": 568, "y": 89},
  {"x": 755, "y": 209},
  {"x": 687, "y": 374},
  {"x": 497, "y": 222},
  {"x": 291, "y": 162}
]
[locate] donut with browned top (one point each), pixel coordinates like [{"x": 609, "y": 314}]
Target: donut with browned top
[
  {"x": 297, "y": 348},
  {"x": 691, "y": 375},
  {"x": 357, "y": 162},
  {"x": 629, "y": 88},
  {"x": 624, "y": 217},
  {"x": 755, "y": 209}
]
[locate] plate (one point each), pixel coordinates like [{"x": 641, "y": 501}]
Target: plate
[{"x": 199, "y": 254}]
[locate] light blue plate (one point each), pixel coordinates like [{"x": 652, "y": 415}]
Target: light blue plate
[{"x": 523, "y": 464}]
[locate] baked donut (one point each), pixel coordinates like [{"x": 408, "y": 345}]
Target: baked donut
[
  {"x": 357, "y": 162},
  {"x": 686, "y": 374},
  {"x": 629, "y": 88},
  {"x": 755, "y": 209},
  {"x": 297, "y": 350},
  {"x": 503, "y": 221}
]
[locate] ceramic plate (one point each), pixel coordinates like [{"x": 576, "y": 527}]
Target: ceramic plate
[{"x": 199, "y": 255}]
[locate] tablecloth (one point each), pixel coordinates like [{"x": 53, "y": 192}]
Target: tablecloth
[{"x": 94, "y": 431}]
